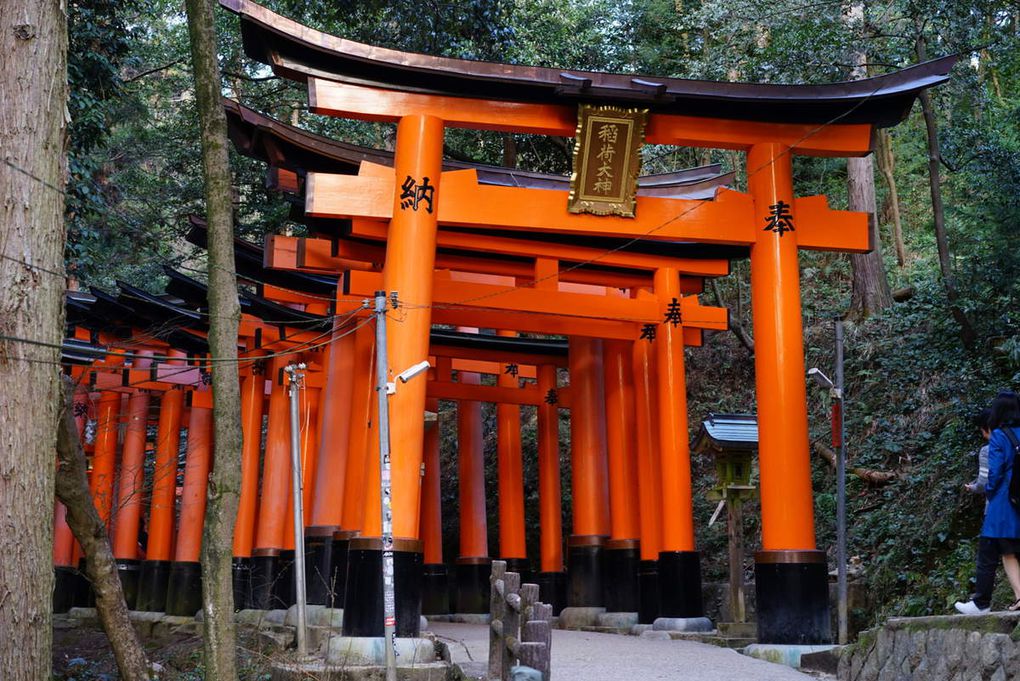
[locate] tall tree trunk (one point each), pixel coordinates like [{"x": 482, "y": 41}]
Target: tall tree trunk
[
  {"x": 967, "y": 335},
  {"x": 224, "y": 316},
  {"x": 72, "y": 488},
  {"x": 33, "y": 104},
  {"x": 887, "y": 166},
  {"x": 870, "y": 284}
]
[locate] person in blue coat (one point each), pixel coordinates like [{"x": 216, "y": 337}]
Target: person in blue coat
[{"x": 1000, "y": 532}]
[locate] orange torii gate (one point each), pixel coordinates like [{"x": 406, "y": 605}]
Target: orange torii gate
[{"x": 424, "y": 95}]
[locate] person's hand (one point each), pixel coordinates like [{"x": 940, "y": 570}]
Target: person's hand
[{"x": 970, "y": 487}]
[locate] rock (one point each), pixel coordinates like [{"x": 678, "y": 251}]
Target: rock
[
  {"x": 326, "y": 617},
  {"x": 251, "y": 618},
  {"x": 365, "y": 650},
  {"x": 271, "y": 642},
  {"x": 682, "y": 624},
  {"x": 274, "y": 617},
  {"x": 617, "y": 620},
  {"x": 656, "y": 635},
  {"x": 575, "y": 618},
  {"x": 522, "y": 673}
]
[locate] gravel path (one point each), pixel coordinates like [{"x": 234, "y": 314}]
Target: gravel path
[{"x": 588, "y": 656}]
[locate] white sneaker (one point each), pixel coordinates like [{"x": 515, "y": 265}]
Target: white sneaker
[{"x": 969, "y": 608}]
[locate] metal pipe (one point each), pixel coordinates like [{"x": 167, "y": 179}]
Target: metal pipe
[
  {"x": 386, "y": 506},
  {"x": 298, "y": 494},
  {"x": 838, "y": 396}
]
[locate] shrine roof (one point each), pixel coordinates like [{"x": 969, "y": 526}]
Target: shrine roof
[
  {"x": 297, "y": 52},
  {"x": 286, "y": 146},
  {"x": 727, "y": 432}
]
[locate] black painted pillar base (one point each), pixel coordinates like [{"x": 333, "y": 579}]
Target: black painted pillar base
[
  {"x": 471, "y": 588},
  {"x": 63, "y": 587},
  {"x": 648, "y": 588},
  {"x": 792, "y": 597},
  {"x": 153, "y": 580},
  {"x": 338, "y": 557},
  {"x": 620, "y": 561},
  {"x": 83, "y": 594},
  {"x": 263, "y": 576},
  {"x": 241, "y": 577},
  {"x": 521, "y": 566},
  {"x": 680, "y": 584},
  {"x": 184, "y": 591},
  {"x": 435, "y": 590},
  {"x": 319, "y": 573},
  {"x": 283, "y": 586},
  {"x": 363, "y": 609},
  {"x": 129, "y": 572},
  {"x": 552, "y": 589},
  {"x": 584, "y": 571}
]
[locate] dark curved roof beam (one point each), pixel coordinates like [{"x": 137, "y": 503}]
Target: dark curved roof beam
[{"x": 299, "y": 52}]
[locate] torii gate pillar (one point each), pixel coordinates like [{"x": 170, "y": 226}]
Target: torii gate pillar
[
  {"x": 408, "y": 272},
  {"x": 791, "y": 576}
]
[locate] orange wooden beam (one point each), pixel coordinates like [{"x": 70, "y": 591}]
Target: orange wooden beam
[
  {"x": 448, "y": 390},
  {"x": 375, "y": 104},
  {"x": 728, "y": 219}
]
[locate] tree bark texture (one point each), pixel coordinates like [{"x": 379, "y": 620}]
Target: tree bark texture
[
  {"x": 967, "y": 335},
  {"x": 33, "y": 105},
  {"x": 870, "y": 283},
  {"x": 72, "y": 488},
  {"x": 887, "y": 166},
  {"x": 224, "y": 316}
]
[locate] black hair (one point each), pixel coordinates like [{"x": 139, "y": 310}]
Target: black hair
[
  {"x": 980, "y": 419},
  {"x": 1005, "y": 410}
]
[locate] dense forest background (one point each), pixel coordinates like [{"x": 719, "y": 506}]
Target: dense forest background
[{"x": 914, "y": 376}]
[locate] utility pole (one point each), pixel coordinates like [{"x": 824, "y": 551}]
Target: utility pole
[
  {"x": 382, "y": 389},
  {"x": 839, "y": 434},
  {"x": 296, "y": 378}
]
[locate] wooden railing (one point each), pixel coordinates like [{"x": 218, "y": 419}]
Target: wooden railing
[{"x": 521, "y": 627}]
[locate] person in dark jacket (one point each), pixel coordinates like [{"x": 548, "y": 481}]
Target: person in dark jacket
[{"x": 1000, "y": 532}]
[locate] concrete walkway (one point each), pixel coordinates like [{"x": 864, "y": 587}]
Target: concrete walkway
[{"x": 588, "y": 656}]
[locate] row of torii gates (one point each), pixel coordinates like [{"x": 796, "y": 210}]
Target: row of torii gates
[{"x": 477, "y": 247}]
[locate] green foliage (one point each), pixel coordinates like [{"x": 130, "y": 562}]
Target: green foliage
[{"x": 135, "y": 175}]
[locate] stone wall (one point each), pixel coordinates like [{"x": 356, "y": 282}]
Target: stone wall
[{"x": 951, "y": 648}]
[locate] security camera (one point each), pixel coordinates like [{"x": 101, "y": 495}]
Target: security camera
[
  {"x": 407, "y": 374},
  {"x": 821, "y": 379}
]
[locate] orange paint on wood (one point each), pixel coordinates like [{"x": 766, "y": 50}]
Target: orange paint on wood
[
  {"x": 621, "y": 440},
  {"x": 128, "y": 515},
  {"x": 334, "y": 431},
  {"x": 511, "y": 470},
  {"x": 410, "y": 256},
  {"x": 786, "y": 498},
  {"x": 196, "y": 477},
  {"x": 273, "y": 512},
  {"x": 727, "y": 219},
  {"x": 647, "y": 451},
  {"x": 376, "y": 104},
  {"x": 164, "y": 476},
  {"x": 362, "y": 395},
  {"x": 549, "y": 493},
  {"x": 588, "y": 465},
  {"x": 474, "y": 541},
  {"x": 431, "y": 530},
  {"x": 674, "y": 449},
  {"x": 253, "y": 397},
  {"x": 104, "y": 457}
]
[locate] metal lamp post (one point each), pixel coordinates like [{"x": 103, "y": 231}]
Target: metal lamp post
[{"x": 835, "y": 389}]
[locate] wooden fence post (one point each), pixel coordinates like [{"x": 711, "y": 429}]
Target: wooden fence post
[{"x": 497, "y": 604}]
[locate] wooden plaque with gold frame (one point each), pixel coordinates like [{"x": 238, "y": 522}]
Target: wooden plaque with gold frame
[{"x": 607, "y": 160}]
